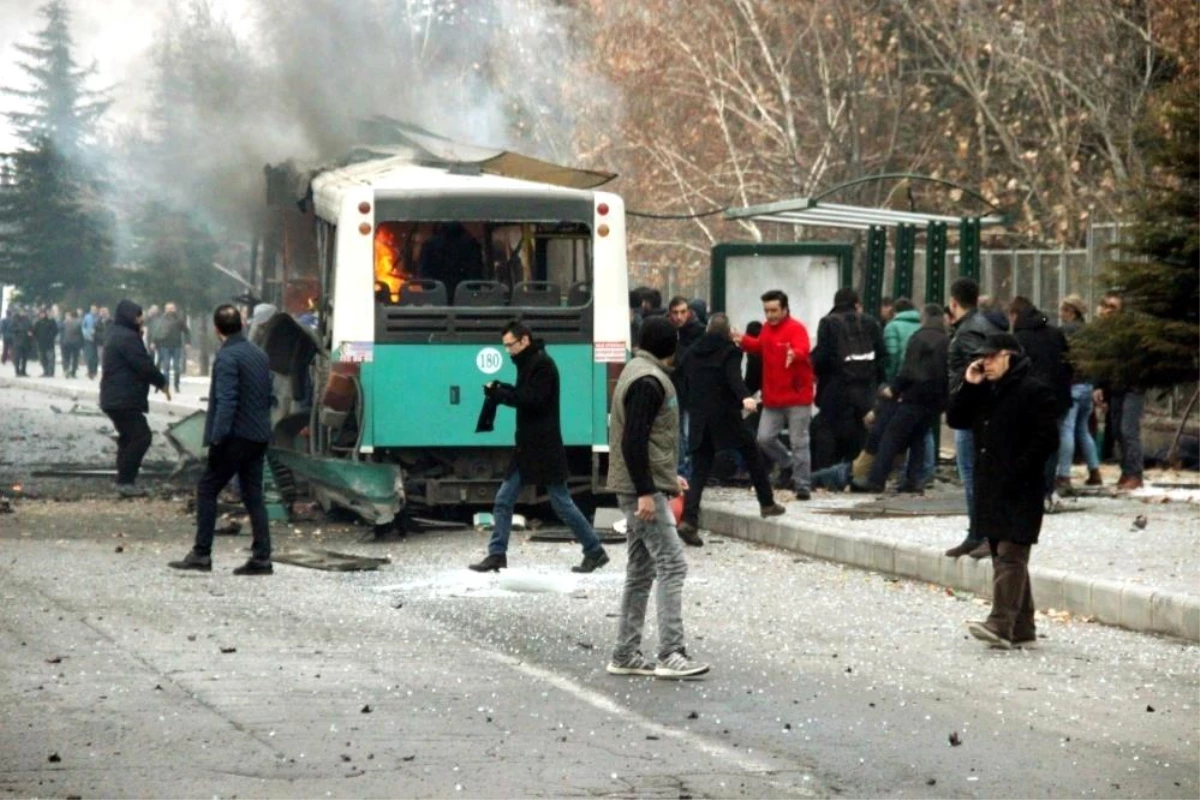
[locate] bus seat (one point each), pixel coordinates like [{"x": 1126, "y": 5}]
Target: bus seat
[
  {"x": 422, "y": 292},
  {"x": 536, "y": 293},
  {"x": 580, "y": 293},
  {"x": 480, "y": 293}
]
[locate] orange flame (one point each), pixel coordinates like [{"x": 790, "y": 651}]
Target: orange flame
[{"x": 389, "y": 268}]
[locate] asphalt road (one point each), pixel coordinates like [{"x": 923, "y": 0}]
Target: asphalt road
[{"x": 122, "y": 678}]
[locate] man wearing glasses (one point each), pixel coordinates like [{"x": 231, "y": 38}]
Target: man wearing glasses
[{"x": 540, "y": 457}]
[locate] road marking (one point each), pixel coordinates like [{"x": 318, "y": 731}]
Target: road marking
[{"x": 602, "y": 702}]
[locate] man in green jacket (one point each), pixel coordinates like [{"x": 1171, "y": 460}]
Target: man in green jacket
[{"x": 896, "y": 335}]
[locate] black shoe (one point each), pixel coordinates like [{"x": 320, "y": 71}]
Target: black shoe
[
  {"x": 255, "y": 567},
  {"x": 803, "y": 494},
  {"x": 965, "y": 547},
  {"x": 983, "y": 550},
  {"x": 592, "y": 562},
  {"x": 773, "y": 510},
  {"x": 193, "y": 562},
  {"x": 689, "y": 534},
  {"x": 784, "y": 479},
  {"x": 494, "y": 562}
]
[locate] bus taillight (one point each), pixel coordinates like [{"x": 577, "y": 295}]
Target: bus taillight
[{"x": 602, "y": 209}]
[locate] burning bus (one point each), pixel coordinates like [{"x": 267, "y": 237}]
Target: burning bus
[{"x": 413, "y": 256}]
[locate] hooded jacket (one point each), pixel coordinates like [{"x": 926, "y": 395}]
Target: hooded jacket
[
  {"x": 1047, "y": 349},
  {"x": 711, "y": 374},
  {"x": 128, "y": 370},
  {"x": 783, "y": 386},
  {"x": 895, "y": 339},
  {"x": 1016, "y": 429}
]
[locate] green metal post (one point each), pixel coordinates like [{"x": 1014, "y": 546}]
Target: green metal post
[
  {"x": 876, "y": 262},
  {"x": 935, "y": 263},
  {"x": 906, "y": 255},
  {"x": 968, "y": 231}
]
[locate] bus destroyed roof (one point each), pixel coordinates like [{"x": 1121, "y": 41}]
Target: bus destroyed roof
[{"x": 389, "y": 143}]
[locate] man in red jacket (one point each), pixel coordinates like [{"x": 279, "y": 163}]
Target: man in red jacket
[{"x": 787, "y": 390}]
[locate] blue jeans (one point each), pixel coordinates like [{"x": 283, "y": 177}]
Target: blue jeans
[
  {"x": 685, "y": 457},
  {"x": 560, "y": 501},
  {"x": 1074, "y": 428},
  {"x": 964, "y": 454},
  {"x": 172, "y": 362}
]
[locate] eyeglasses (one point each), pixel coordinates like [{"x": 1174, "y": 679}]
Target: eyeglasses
[{"x": 510, "y": 345}]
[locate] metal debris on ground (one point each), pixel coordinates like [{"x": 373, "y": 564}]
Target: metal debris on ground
[{"x": 329, "y": 560}]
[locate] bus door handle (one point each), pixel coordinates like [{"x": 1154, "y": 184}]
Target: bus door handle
[{"x": 454, "y": 395}]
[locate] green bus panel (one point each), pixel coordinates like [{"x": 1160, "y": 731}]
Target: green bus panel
[{"x": 430, "y": 395}]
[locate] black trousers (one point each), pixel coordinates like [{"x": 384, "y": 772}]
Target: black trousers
[
  {"x": 1012, "y": 598},
  {"x": 70, "y": 359},
  {"x": 133, "y": 440},
  {"x": 21, "y": 358},
  {"x": 46, "y": 356},
  {"x": 838, "y": 434},
  {"x": 905, "y": 430},
  {"x": 243, "y": 458},
  {"x": 702, "y": 462}
]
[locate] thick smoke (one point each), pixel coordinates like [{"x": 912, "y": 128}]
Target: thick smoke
[{"x": 292, "y": 79}]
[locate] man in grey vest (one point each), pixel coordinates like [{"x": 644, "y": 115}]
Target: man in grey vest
[{"x": 643, "y": 441}]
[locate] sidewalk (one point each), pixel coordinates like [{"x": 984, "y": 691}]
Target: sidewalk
[
  {"x": 193, "y": 397},
  {"x": 1092, "y": 561}
]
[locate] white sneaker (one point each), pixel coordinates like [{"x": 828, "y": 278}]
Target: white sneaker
[
  {"x": 637, "y": 664},
  {"x": 678, "y": 665}
]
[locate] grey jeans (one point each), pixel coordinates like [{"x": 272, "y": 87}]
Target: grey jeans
[
  {"x": 654, "y": 552},
  {"x": 797, "y": 419}
]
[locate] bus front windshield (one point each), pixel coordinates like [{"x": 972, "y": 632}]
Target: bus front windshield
[{"x": 475, "y": 263}]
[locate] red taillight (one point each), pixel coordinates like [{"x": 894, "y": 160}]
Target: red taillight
[
  {"x": 364, "y": 207},
  {"x": 602, "y": 209}
]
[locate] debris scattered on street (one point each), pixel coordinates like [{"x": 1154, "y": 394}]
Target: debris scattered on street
[{"x": 954, "y": 740}]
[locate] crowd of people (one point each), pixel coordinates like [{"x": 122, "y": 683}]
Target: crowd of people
[{"x": 44, "y": 333}]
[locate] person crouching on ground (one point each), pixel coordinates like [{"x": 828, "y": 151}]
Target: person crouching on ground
[
  {"x": 1014, "y": 419},
  {"x": 643, "y": 442},
  {"x": 237, "y": 430},
  {"x": 127, "y": 375},
  {"x": 540, "y": 457}
]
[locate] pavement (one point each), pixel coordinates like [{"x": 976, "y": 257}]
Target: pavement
[{"x": 1092, "y": 562}]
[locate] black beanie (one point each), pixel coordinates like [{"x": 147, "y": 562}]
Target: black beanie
[{"x": 659, "y": 337}]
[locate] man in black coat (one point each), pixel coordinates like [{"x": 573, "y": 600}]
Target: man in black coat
[
  {"x": 45, "y": 331},
  {"x": 711, "y": 377},
  {"x": 540, "y": 457},
  {"x": 21, "y": 329},
  {"x": 919, "y": 392},
  {"x": 237, "y": 430},
  {"x": 1013, "y": 416},
  {"x": 679, "y": 311},
  {"x": 1046, "y": 345},
  {"x": 128, "y": 372}
]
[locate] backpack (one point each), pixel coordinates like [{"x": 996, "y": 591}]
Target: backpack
[{"x": 855, "y": 348}]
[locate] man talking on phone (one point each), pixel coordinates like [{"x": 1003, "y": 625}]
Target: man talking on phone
[{"x": 1014, "y": 420}]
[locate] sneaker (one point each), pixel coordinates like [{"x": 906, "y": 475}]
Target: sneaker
[
  {"x": 130, "y": 490},
  {"x": 493, "y": 562},
  {"x": 773, "y": 510},
  {"x": 193, "y": 562},
  {"x": 592, "y": 562},
  {"x": 255, "y": 567},
  {"x": 983, "y": 633},
  {"x": 803, "y": 494},
  {"x": 677, "y": 666},
  {"x": 637, "y": 664},
  {"x": 689, "y": 534}
]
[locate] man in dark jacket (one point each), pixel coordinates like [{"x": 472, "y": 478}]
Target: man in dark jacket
[
  {"x": 643, "y": 434},
  {"x": 679, "y": 311},
  {"x": 970, "y": 328},
  {"x": 716, "y": 396},
  {"x": 71, "y": 342},
  {"x": 127, "y": 373},
  {"x": 1046, "y": 346},
  {"x": 1013, "y": 416},
  {"x": 45, "y": 331},
  {"x": 919, "y": 392},
  {"x": 21, "y": 329},
  {"x": 171, "y": 336},
  {"x": 849, "y": 361},
  {"x": 540, "y": 457},
  {"x": 237, "y": 430}
]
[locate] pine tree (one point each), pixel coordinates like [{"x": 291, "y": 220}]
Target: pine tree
[
  {"x": 55, "y": 224},
  {"x": 1155, "y": 343}
]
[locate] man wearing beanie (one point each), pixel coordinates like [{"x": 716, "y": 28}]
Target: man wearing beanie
[
  {"x": 643, "y": 440},
  {"x": 1014, "y": 421}
]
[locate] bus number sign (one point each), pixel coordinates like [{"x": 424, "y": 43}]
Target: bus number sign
[{"x": 489, "y": 361}]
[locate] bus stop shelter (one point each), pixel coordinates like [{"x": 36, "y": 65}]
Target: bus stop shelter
[{"x": 814, "y": 211}]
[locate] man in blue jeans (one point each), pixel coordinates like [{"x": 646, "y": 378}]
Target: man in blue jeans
[{"x": 540, "y": 457}]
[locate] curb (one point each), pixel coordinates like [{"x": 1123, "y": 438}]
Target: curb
[
  {"x": 1127, "y": 605},
  {"x": 92, "y": 395}
]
